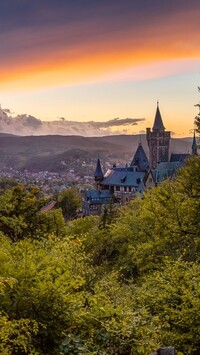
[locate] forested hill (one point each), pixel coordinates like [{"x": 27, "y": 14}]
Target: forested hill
[
  {"x": 124, "y": 283},
  {"x": 47, "y": 151}
]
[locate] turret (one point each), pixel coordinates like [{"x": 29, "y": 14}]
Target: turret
[
  {"x": 194, "y": 145},
  {"x": 98, "y": 175},
  {"x": 158, "y": 141}
]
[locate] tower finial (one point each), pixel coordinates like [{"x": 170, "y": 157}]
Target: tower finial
[{"x": 157, "y": 103}]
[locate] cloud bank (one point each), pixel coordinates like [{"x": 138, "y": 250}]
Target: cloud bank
[{"x": 26, "y": 125}]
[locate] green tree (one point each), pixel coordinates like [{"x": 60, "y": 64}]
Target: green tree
[
  {"x": 171, "y": 218},
  {"x": 110, "y": 323},
  {"x": 165, "y": 223},
  {"x": 82, "y": 227},
  {"x": 46, "y": 295},
  {"x": 21, "y": 216},
  {"x": 15, "y": 335},
  {"x": 109, "y": 214},
  {"x": 172, "y": 295},
  {"x": 69, "y": 200}
]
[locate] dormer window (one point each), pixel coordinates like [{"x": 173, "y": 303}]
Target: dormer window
[{"x": 123, "y": 179}]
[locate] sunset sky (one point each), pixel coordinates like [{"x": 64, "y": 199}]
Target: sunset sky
[{"x": 100, "y": 59}]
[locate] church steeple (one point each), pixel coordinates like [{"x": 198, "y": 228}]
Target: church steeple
[
  {"x": 98, "y": 175},
  {"x": 194, "y": 145},
  {"x": 158, "y": 122}
]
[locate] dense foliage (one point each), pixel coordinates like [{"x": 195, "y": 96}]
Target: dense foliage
[
  {"x": 69, "y": 200},
  {"x": 124, "y": 283},
  {"x": 21, "y": 215}
]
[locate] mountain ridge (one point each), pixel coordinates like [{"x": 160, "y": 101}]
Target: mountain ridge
[{"x": 43, "y": 152}]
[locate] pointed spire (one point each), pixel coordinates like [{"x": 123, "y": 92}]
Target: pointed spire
[
  {"x": 158, "y": 123},
  {"x": 140, "y": 159},
  {"x": 194, "y": 145},
  {"x": 98, "y": 175}
]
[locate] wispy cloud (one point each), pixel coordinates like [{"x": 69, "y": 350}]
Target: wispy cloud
[{"x": 117, "y": 122}]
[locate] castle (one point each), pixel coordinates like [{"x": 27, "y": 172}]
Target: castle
[{"x": 121, "y": 184}]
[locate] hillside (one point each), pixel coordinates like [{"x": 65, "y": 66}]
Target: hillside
[{"x": 47, "y": 152}]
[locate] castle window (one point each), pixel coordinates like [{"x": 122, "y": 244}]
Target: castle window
[{"x": 117, "y": 188}]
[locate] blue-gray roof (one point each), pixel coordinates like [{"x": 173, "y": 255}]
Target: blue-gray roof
[
  {"x": 123, "y": 177},
  {"x": 179, "y": 157},
  {"x": 140, "y": 159},
  {"x": 164, "y": 170},
  {"x": 98, "y": 196}
]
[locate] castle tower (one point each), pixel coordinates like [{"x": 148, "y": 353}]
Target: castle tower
[
  {"x": 98, "y": 175},
  {"x": 158, "y": 141},
  {"x": 194, "y": 145}
]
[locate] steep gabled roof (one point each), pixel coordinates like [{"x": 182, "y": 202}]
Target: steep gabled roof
[
  {"x": 148, "y": 173},
  {"x": 140, "y": 159},
  {"x": 98, "y": 172},
  {"x": 158, "y": 123}
]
